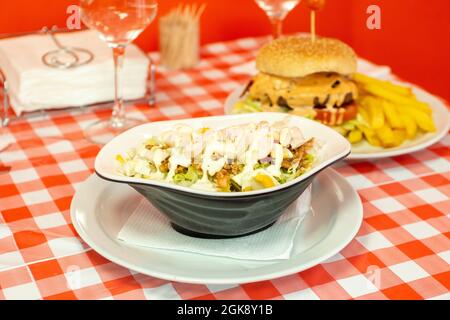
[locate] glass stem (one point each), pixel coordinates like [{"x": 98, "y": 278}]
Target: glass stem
[
  {"x": 277, "y": 27},
  {"x": 118, "y": 114}
]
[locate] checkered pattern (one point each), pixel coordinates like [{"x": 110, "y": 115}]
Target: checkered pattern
[{"x": 402, "y": 250}]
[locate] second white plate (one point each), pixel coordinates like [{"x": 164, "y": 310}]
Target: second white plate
[
  {"x": 99, "y": 210},
  {"x": 364, "y": 150}
]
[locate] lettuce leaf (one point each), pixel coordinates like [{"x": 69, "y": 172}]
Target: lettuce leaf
[
  {"x": 288, "y": 175},
  {"x": 247, "y": 106},
  {"x": 187, "y": 179}
]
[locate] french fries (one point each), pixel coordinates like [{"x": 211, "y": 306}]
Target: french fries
[
  {"x": 392, "y": 115},
  {"x": 386, "y": 136},
  {"x": 369, "y": 134},
  {"x": 396, "y": 98},
  {"x": 388, "y": 114},
  {"x": 363, "y": 115},
  {"x": 423, "y": 120},
  {"x": 399, "y": 136},
  {"x": 365, "y": 80},
  {"x": 376, "y": 115},
  {"x": 355, "y": 136},
  {"x": 410, "y": 125}
]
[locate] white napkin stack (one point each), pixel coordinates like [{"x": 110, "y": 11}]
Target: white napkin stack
[
  {"x": 33, "y": 85},
  {"x": 147, "y": 227}
]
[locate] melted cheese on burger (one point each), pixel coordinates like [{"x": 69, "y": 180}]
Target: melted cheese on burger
[{"x": 325, "y": 89}]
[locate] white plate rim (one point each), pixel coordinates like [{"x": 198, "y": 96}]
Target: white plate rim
[
  {"x": 356, "y": 219},
  {"x": 438, "y": 108}
]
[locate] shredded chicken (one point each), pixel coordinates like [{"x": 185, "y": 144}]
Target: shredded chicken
[{"x": 223, "y": 179}]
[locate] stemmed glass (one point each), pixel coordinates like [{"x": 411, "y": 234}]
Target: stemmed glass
[
  {"x": 277, "y": 10},
  {"x": 118, "y": 23}
]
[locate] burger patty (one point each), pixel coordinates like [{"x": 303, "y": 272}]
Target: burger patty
[{"x": 319, "y": 90}]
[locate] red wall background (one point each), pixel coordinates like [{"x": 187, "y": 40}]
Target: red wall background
[{"x": 414, "y": 39}]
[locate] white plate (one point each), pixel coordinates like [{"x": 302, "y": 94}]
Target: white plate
[
  {"x": 100, "y": 208},
  {"x": 365, "y": 151}
]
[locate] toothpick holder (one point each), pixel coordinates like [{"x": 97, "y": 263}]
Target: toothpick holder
[{"x": 179, "y": 40}]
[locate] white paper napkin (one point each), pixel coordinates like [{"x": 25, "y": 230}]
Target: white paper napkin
[
  {"x": 364, "y": 66},
  {"x": 147, "y": 227},
  {"x": 373, "y": 70},
  {"x": 33, "y": 85}
]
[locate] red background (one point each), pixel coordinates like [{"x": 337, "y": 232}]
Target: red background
[{"x": 414, "y": 39}]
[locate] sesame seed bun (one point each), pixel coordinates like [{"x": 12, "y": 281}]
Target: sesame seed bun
[{"x": 294, "y": 57}]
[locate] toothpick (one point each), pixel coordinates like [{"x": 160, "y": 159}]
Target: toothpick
[
  {"x": 186, "y": 12},
  {"x": 313, "y": 25},
  {"x": 178, "y": 11},
  {"x": 200, "y": 11}
]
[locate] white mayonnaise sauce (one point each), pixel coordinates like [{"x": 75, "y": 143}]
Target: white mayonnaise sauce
[{"x": 211, "y": 150}]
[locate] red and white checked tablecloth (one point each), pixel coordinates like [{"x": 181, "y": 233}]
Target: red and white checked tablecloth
[{"x": 402, "y": 250}]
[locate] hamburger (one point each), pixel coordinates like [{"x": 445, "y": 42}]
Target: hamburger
[{"x": 307, "y": 78}]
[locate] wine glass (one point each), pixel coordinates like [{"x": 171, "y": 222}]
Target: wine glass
[
  {"x": 277, "y": 10},
  {"x": 118, "y": 23}
]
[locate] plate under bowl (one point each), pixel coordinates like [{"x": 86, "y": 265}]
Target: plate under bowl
[{"x": 99, "y": 210}]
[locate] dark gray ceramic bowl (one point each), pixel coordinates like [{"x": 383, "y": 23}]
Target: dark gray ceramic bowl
[{"x": 217, "y": 214}]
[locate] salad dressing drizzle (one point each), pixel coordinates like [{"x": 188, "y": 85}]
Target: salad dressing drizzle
[{"x": 249, "y": 145}]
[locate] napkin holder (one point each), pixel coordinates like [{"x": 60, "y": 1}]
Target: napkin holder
[
  {"x": 7, "y": 114},
  {"x": 4, "y": 98}
]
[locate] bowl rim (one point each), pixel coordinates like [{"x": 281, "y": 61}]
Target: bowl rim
[
  {"x": 222, "y": 195},
  {"x": 217, "y": 194}
]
